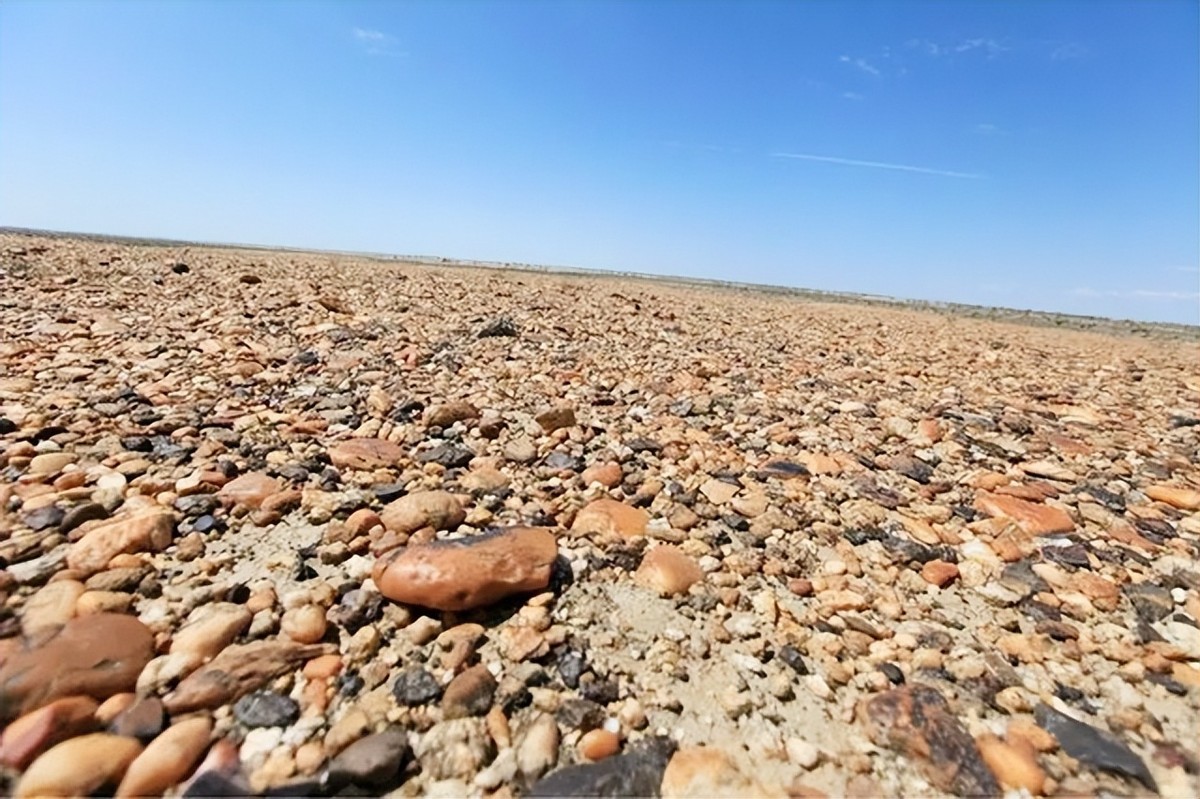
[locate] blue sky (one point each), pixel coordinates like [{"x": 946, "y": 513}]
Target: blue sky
[{"x": 1031, "y": 155}]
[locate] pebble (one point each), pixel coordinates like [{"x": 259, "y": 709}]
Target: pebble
[
  {"x": 915, "y": 720},
  {"x": 638, "y": 772},
  {"x": 1015, "y": 768},
  {"x": 375, "y": 762},
  {"x": 708, "y": 771},
  {"x": 97, "y": 656},
  {"x": 305, "y": 624},
  {"x": 167, "y": 760},
  {"x": 150, "y": 530},
  {"x": 35, "y": 732},
  {"x": 455, "y": 749},
  {"x": 598, "y": 744},
  {"x": 538, "y": 750},
  {"x": 667, "y": 571},
  {"x": 440, "y": 510},
  {"x": 266, "y": 709},
  {"x": 469, "y": 694},
  {"x": 802, "y": 753},
  {"x": 1093, "y": 746},
  {"x": 237, "y": 671},
  {"x": 468, "y": 573},
  {"x": 78, "y": 766},
  {"x": 416, "y": 686},
  {"x": 608, "y": 518}
]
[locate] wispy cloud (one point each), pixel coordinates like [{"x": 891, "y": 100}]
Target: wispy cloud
[
  {"x": 990, "y": 47},
  {"x": 1068, "y": 52},
  {"x": 852, "y": 95},
  {"x": 989, "y": 129},
  {"x": 861, "y": 63},
  {"x": 1137, "y": 294},
  {"x": 375, "y": 42},
  {"x": 1192, "y": 269},
  {"x": 878, "y": 165}
]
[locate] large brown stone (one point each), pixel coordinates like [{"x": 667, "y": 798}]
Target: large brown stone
[
  {"x": 1032, "y": 517},
  {"x": 468, "y": 573},
  {"x": 37, "y": 731},
  {"x": 440, "y": 510},
  {"x": 609, "y": 518},
  {"x": 167, "y": 759},
  {"x": 95, "y": 656},
  {"x": 237, "y": 671},
  {"x": 149, "y": 530},
  {"x": 366, "y": 453},
  {"x": 915, "y": 720},
  {"x": 77, "y": 767}
]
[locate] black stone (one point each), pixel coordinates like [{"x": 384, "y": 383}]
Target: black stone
[
  {"x": 197, "y": 505},
  {"x": 137, "y": 443},
  {"x": 641, "y": 444},
  {"x": 44, "y": 518},
  {"x": 180, "y": 268},
  {"x": 580, "y": 714},
  {"x": 571, "y": 667},
  {"x": 266, "y": 709},
  {"x": 861, "y": 536},
  {"x": 452, "y": 456},
  {"x": 1183, "y": 421},
  {"x": 47, "y": 433},
  {"x": 637, "y": 773},
  {"x": 1112, "y": 501},
  {"x": 791, "y": 656},
  {"x": 1093, "y": 746},
  {"x": 882, "y": 495},
  {"x": 356, "y": 609},
  {"x": 7, "y": 426},
  {"x": 1170, "y": 683},
  {"x": 349, "y": 683},
  {"x": 87, "y": 512},
  {"x": 1150, "y": 602},
  {"x": 306, "y": 358},
  {"x": 208, "y": 524},
  {"x": 892, "y": 672},
  {"x": 1074, "y": 556},
  {"x": 783, "y": 470},
  {"x": 293, "y": 473},
  {"x": 390, "y": 492},
  {"x": 415, "y": 686},
  {"x": 500, "y": 326},
  {"x": 600, "y": 691},
  {"x": 560, "y": 461}
]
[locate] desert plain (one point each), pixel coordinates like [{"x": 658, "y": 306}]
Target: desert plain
[{"x": 307, "y": 524}]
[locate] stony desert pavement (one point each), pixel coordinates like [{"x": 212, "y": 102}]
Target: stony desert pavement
[{"x": 304, "y": 524}]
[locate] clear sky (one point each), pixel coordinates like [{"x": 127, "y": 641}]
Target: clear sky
[{"x": 1026, "y": 154}]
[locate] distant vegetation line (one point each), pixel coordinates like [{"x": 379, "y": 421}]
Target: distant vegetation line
[{"x": 1029, "y": 317}]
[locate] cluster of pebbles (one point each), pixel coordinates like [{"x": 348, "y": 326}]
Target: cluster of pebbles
[{"x": 296, "y": 524}]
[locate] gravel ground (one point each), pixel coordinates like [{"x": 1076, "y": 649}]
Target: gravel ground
[{"x": 305, "y": 524}]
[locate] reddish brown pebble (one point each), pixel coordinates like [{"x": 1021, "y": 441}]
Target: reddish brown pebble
[
  {"x": 468, "y": 573},
  {"x": 35, "y": 732},
  {"x": 598, "y": 744},
  {"x": 939, "y": 573}
]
